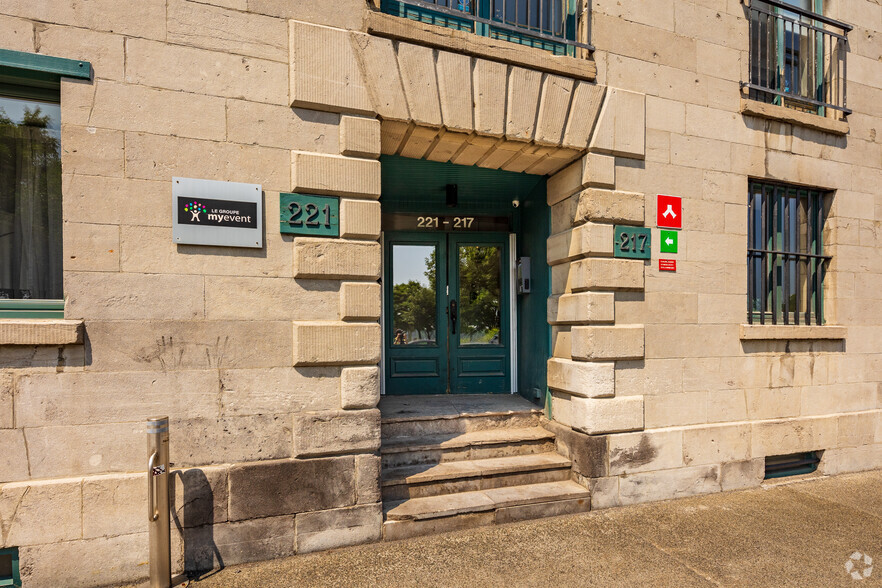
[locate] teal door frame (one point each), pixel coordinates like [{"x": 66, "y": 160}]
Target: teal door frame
[{"x": 447, "y": 365}]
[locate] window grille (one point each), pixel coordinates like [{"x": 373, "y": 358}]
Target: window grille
[{"x": 785, "y": 255}]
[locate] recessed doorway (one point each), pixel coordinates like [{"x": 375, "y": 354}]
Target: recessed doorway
[{"x": 465, "y": 280}]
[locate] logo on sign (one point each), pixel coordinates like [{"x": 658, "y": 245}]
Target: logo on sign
[
  {"x": 195, "y": 209},
  {"x": 217, "y": 213},
  {"x": 670, "y": 212}
]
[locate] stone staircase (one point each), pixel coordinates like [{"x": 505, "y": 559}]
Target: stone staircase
[{"x": 454, "y": 462}]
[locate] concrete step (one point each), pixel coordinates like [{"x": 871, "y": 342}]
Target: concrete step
[
  {"x": 458, "y": 424},
  {"x": 413, "y": 416},
  {"x": 446, "y": 447},
  {"x": 450, "y": 512},
  {"x": 471, "y": 475}
]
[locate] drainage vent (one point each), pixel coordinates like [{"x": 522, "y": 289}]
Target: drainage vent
[
  {"x": 9, "y": 575},
  {"x": 779, "y": 466}
]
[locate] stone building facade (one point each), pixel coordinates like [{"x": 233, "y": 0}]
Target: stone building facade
[{"x": 271, "y": 361}]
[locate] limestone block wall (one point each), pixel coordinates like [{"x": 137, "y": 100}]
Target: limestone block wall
[
  {"x": 719, "y": 397},
  {"x": 265, "y": 359}
]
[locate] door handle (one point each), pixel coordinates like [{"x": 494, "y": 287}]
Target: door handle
[{"x": 453, "y": 317}]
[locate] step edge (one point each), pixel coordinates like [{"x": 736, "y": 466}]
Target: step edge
[
  {"x": 561, "y": 463},
  {"x": 392, "y": 482},
  {"x": 573, "y": 494},
  {"x": 517, "y": 436},
  {"x": 450, "y": 417}
]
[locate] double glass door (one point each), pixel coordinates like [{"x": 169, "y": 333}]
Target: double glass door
[{"x": 447, "y": 314}]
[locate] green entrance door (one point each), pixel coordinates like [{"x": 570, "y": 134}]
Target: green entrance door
[{"x": 448, "y": 315}]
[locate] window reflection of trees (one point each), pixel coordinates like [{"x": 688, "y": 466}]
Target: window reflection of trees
[
  {"x": 414, "y": 303},
  {"x": 30, "y": 204},
  {"x": 479, "y": 294},
  {"x": 414, "y": 309}
]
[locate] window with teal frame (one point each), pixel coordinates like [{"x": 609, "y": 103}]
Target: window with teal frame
[
  {"x": 30, "y": 183},
  {"x": 558, "y": 26},
  {"x": 785, "y": 254},
  {"x": 9, "y": 569}
]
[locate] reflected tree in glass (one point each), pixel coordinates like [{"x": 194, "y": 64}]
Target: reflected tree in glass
[
  {"x": 30, "y": 200},
  {"x": 480, "y": 286},
  {"x": 413, "y": 296}
]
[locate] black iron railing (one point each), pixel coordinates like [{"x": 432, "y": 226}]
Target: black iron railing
[
  {"x": 562, "y": 26},
  {"x": 797, "y": 57}
]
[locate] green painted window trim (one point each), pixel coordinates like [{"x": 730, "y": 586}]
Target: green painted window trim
[
  {"x": 32, "y": 309},
  {"x": 29, "y": 76},
  {"x": 15, "y": 580},
  {"x": 40, "y": 70}
]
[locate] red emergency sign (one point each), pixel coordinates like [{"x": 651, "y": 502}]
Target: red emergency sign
[
  {"x": 667, "y": 265},
  {"x": 670, "y": 212}
]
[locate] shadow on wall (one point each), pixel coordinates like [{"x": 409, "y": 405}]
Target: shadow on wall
[{"x": 193, "y": 515}]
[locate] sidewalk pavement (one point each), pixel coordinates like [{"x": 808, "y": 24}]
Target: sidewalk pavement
[{"x": 793, "y": 534}]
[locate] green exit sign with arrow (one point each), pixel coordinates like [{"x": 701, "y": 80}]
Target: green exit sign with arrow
[{"x": 669, "y": 241}]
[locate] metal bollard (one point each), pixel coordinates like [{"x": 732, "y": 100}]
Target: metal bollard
[{"x": 157, "y": 503}]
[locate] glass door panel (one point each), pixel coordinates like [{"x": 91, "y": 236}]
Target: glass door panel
[
  {"x": 447, "y": 317},
  {"x": 416, "y": 333},
  {"x": 414, "y": 295},
  {"x": 480, "y": 291}
]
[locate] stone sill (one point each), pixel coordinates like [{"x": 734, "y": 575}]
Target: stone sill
[
  {"x": 791, "y": 332},
  {"x": 408, "y": 30},
  {"x": 40, "y": 332},
  {"x": 789, "y": 115}
]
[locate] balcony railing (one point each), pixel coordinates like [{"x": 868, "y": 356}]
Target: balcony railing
[
  {"x": 797, "y": 57},
  {"x": 559, "y": 26}
]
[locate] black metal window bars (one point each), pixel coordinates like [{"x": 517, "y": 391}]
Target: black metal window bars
[
  {"x": 566, "y": 22},
  {"x": 785, "y": 255},
  {"x": 797, "y": 57}
]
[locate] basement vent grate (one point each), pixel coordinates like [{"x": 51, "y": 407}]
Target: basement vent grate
[
  {"x": 9, "y": 575},
  {"x": 779, "y": 466}
]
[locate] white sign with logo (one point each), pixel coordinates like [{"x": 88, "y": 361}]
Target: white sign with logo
[{"x": 208, "y": 212}]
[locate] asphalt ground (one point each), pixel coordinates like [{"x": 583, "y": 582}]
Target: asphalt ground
[{"x": 788, "y": 534}]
